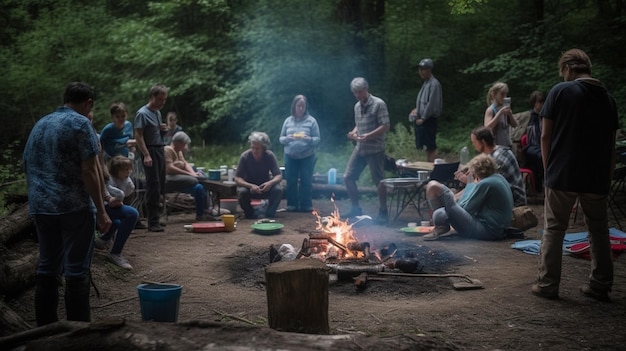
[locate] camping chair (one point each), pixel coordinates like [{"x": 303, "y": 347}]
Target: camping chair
[
  {"x": 444, "y": 174},
  {"x": 618, "y": 185}
]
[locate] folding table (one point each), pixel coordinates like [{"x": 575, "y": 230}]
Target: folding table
[{"x": 403, "y": 193}]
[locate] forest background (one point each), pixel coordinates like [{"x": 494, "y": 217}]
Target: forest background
[{"x": 234, "y": 66}]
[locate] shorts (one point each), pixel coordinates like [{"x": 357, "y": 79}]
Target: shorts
[{"x": 425, "y": 135}]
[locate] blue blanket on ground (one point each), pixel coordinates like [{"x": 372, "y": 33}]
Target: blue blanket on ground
[{"x": 532, "y": 246}]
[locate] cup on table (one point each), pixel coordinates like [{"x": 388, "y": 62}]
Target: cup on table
[
  {"x": 229, "y": 222},
  {"x": 412, "y": 224},
  {"x": 425, "y": 223}
]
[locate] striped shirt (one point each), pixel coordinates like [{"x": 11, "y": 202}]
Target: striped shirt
[{"x": 509, "y": 169}]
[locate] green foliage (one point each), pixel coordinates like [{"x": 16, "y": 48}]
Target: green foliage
[{"x": 12, "y": 178}]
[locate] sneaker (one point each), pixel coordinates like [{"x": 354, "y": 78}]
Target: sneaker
[
  {"x": 546, "y": 293},
  {"x": 155, "y": 228},
  {"x": 440, "y": 231},
  {"x": 383, "y": 217},
  {"x": 600, "y": 295},
  {"x": 355, "y": 211},
  {"x": 292, "y": 209},
  {"x": 119, "y": 260},
  {"x": 215, "y": 212},
  {"x": 140, "y": 225},
  {"x": 102, "y": 245}
]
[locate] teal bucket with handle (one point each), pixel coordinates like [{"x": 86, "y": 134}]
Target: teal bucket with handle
[{"x": 159, "y": 302}]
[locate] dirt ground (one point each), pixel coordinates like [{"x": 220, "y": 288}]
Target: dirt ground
[{"x": 223, "y": 281}]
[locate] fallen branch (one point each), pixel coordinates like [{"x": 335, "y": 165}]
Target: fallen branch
[
  {"x": 116, "y": 302},
  {"x": 234, "y": 317}
]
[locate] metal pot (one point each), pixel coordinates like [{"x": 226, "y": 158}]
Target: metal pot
[{"x": 423, "y": 175}]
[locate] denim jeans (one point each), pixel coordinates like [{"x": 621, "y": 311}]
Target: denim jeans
[
  {"x": 299, "y": 195},
  {"x": 447, "y": 212},
  {"x": 124, "y": 219},
  {"x": 273, "y": 196},
  {"x": 189, "y": 185},
  {"x": 65, "y": 243}
]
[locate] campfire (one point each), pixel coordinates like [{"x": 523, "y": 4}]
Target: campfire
[{"x": 335, "y": 244}]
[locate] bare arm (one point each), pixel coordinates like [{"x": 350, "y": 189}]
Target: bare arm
[
  {"x": 143, "y": 148},
  {"x": 546, "y": 140},
  {"x": 382, "y": 129},
  {"x": 94, "y": 185}
]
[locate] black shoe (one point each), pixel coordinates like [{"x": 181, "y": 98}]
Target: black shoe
[
  {"x": 155, "y": 228},
  {"x": 600, "y": 295},
  {"x": 383, "y": 217}
]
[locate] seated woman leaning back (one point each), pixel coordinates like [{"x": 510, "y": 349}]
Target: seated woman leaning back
[{"x": 484, "y": 210}]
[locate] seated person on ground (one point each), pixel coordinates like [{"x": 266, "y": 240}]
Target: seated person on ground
[
  {"x": 124, "y": 217},
  {"x": 484, "y": 142},
  {"x": 483, "y": 212},
  {"x": 253, "y": 176},
  {"x": 180, "y": 176}
]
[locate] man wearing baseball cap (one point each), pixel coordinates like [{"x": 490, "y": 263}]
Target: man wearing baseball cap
[{"x": 428, "y": 107}]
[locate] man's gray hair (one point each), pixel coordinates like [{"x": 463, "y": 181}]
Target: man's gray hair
[
  {"x": 261, "y": 138},
  {"x": 358, "y": 83},
  {"x": 181, "y": 137}
]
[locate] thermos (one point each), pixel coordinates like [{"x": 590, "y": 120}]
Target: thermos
[{"x": 332, "y": 176}]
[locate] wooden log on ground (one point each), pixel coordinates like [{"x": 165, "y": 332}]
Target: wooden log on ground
[
  {"x": 297, "y": 296},
  {"x": 18, "y": 274},
  {"x": 11, "y": 322},
  {"x": 16, "y": 226}
]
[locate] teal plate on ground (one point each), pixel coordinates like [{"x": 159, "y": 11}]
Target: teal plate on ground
[{"x": 267, "y": 228}]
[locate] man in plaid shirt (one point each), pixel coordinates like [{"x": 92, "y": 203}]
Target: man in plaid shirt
[{"x": 371, "y": 120}]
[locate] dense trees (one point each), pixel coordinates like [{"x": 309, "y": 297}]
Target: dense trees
[{"x": 234, "y": 65}]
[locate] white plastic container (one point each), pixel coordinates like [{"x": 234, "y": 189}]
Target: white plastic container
[
  {"x": 332, "y": 176},
  {"x": 231, "y": 175}
]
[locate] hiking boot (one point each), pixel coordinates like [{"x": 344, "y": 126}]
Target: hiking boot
[
  {"x": 546, "y": 293},
  {"x": 355, "y": 211},
  {"x": 102, "y": 245},
  {"x": 155, "y": 228},
  {"x": 383, "y": 217},
  {"x": 119, "y": 260},
  {"x": 440, "y": 231},
  {"x": 600, "y": 295}
]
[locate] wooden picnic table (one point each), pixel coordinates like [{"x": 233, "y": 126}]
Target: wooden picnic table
[
  {"x": 219, "y": 189},
  {"x": 418, "y": 166}
]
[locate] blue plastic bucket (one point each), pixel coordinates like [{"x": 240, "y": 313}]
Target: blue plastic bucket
[{"x": 159, "y": 302}]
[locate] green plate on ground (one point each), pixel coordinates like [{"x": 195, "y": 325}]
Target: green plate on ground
[
  {"x": 267, "y": 228},
  {"x": 417, "y": 230}
]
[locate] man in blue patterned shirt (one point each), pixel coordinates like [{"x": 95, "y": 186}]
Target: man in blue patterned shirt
[
  {"x": 66, "y": 200},
  {"x": 371, "y": 120}
]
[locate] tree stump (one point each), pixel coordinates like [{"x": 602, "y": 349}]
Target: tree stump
[{"x": 297, "y": 296}]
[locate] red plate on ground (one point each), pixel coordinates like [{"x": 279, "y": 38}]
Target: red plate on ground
[{"x": 207, "y": 227}]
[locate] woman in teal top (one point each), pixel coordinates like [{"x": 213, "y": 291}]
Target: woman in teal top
[{"x": 483, "y": 212}]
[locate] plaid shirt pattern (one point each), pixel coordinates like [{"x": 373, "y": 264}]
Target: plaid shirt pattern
[
  {"x": 509, "y": 169},
  {"x": 367, "y": 118}
]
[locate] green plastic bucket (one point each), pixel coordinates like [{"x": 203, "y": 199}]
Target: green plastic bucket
[{"x": 159, "y": 302}]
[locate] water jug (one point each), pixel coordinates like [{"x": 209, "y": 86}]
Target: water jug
[
  {"x": 464, "y": 155},
  {"x": 332, "y": 176}
]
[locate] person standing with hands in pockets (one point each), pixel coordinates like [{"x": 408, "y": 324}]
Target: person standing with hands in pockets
[
  {"x": 66, "y": 199},
  {"x": 149, "y": 131},
  {"x": 427, "y": 109},
  {"x": 576, "y": 110}
]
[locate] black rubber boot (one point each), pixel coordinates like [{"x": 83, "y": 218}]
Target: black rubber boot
[
  {"x": 46, "y": 299},
  {"x": 154, "y": 217},
  {"x": 77, "y": 299}
]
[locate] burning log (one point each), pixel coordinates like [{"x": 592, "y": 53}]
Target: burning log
[{"x": 297, "y": 296}]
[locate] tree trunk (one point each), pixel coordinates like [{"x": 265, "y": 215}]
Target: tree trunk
[{"x": 297, "y": 296}]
